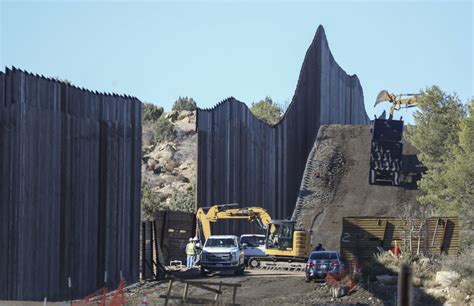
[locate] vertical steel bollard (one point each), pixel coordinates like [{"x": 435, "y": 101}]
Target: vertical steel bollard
[
  {"x": 405, "y": 286},
  {"x": 69, "y": 285}
]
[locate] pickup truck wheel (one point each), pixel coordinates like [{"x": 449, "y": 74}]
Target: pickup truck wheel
[
  {"x": 254, "y": 263},
  {"x": 203, "y": 271}
]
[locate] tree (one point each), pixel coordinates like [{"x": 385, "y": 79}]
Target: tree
[
  {"x": 437, "y": 126},
  {"x": 164, "y": 130},
  {"x": 184, "y": 103},
  {"x": 151, "y": 112},
  {"x": 267, "y": 110},
  {"x": 150, "y": 201},
  {"x": 458, "y": 179},
  {"x": 443, "y": 136}
]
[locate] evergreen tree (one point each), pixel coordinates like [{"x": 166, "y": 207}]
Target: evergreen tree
[
  {"x": 184, "y": 103},
  {"x": 444, "y": 138},
  {"x": 151, "y": 112},
  {"x": 267, "y": 111}
]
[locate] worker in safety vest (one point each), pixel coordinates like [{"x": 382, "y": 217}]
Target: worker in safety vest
[{"x": 190, "y": 252}]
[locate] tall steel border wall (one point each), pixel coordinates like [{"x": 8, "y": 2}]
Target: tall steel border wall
[
  {"x": 69, "y": 188},
  {"x": 243, "y": 160}
]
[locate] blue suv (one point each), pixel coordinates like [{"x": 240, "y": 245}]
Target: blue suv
[{"x": 321, "y": 263}]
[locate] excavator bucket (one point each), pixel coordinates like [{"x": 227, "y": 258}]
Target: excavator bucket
[{"x": 382, "y": 97}]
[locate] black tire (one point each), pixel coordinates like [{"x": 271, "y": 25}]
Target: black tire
[
  {"x": 253, "y": 263},
  {"x": 203, "y": 271}
]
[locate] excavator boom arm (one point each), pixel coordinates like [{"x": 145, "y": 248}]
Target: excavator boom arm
[
  {"x": 396, "y": 100},
  {"x": 221, "y": 212}
]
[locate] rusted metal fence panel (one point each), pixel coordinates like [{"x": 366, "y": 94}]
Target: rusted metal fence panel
[
  {"x": 164, "y": 239},
  {"x": 243, "y": 160},
  {"x": 69, "y": 188},
  {"x": 362, "y": 237}
]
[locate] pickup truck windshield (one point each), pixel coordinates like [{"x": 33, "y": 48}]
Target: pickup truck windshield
[{"x": 221, "y": 243}]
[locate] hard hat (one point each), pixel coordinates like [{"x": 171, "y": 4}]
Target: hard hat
[{"x": 190, "y": 239}]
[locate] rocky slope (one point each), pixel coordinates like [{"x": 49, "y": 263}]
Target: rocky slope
[
  {"x": 335, "y": 183},
  {"x": 169, "y": 167}
]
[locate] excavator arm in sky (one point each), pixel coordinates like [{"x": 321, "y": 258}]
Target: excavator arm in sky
[{"x": 408, "y": 100}]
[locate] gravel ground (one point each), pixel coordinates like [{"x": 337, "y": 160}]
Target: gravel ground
[{"x": 259, "y": 287}]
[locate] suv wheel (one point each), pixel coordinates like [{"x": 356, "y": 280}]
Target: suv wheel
[{"x": 254, "y": 263}]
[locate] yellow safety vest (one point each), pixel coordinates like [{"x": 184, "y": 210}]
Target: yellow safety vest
[{"x": 190, "y": 248}]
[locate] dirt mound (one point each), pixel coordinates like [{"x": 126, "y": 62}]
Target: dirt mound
[{"x": 335, "y": 183}]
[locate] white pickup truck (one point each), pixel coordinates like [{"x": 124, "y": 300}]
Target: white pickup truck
[
  {"x": 254, "y": 246},
  {"x": 222, "y": 253}
]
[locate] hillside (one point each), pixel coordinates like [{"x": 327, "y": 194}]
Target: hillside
[
  {"x": 169, "y": 167},
  {"x": 335, "y": 183}
]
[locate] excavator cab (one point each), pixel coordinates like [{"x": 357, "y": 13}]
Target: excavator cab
[
  {"x": 280, "y": 235},
  {"x": 283, "y": 239}
]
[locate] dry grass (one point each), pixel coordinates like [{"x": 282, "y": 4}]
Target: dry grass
[
  {"x": 424, "y": 272},
  {"x": 464, "y": 265},
  {"x": 422, "y": 267}
]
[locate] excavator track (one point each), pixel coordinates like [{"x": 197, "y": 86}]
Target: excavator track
[{"x": 280, "y": 264}]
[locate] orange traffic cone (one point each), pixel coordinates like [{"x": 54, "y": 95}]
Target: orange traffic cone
[
  {"x": 396, "y": 249},
  {"x": 145, "y": 299}
]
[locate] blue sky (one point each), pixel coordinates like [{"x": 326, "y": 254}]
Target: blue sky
[{"x": 211, "y": 50}]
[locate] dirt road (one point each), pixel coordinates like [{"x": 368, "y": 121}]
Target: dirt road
[{"x": 259, "y": 287}]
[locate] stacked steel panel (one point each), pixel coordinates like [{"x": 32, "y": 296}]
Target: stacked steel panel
[
  {"x": 386, "y": 151},
  {"x": 69, "y": 188},
  {"x": 243, "y": 160}
]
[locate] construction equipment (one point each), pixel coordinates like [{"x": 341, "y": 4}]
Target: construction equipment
[
  {"x": 386, "y": 152},
  {"x": 408, "y": 100},
  {"x": 207, "y": 215},
  {"x": 387, "y": 140},
  {"x": 285, "y": 245}
]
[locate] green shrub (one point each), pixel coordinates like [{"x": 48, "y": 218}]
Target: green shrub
[
  {"x": 151, "y": 112},
  {"x": 164, "y": 130},
  {"x": 184, "y": 200},
  {"x": 463, "y": 263},
  {"x": 267, "y": 111},
  {"x": 150, "y": 201},
  {"x": 184, "y": 103}
]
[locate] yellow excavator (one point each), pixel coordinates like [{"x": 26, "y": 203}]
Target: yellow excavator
[
  {"x": 283, "y": 241},
  {"x": 397, "y": 101}
]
